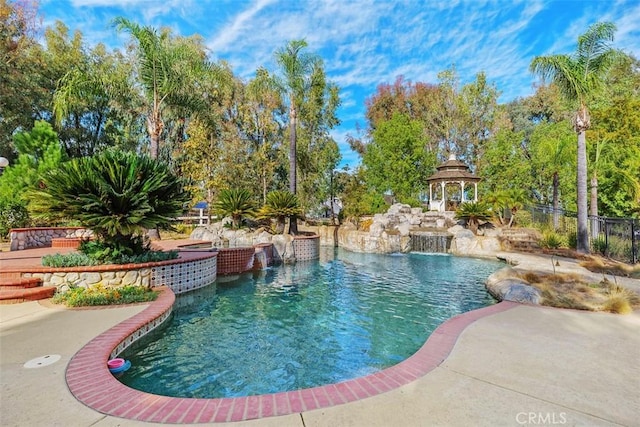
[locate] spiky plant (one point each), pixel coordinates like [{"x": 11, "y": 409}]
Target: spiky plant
[
  {"x": 116, "y": 194},
  {"x": 472, "y": 213},
  {"x": 279, "y": 205},
  {"x": 235, "y": 203}
]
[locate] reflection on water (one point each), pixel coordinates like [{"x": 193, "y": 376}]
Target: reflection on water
[{"x": 306, "y": 324}]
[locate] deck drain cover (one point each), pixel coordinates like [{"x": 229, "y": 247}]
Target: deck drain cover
[{"x": 39, "y": 362}]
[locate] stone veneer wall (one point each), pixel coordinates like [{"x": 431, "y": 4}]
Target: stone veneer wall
[
  {"x": 306, "y": 247},
  {"x": 181, "y": 275},
  {"x": 40, "y": 237}
]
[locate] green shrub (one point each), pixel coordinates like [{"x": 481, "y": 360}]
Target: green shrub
[
  {"x": 151, "y": 256},
  {"x": 101, "y": 295},
  {"x": 523, "y": 218},
  {"x": 96, "y": 253},
  {"x": 599, "y": 245},
  {"x": 572, "y": 239},
  {"x": 552, "y": 240},
  {"x": 13, "y": 214},
  {"x": 620, "y": 248},
  {"x": 182, "y": 228},
  {"x": 73, "y": 259}
]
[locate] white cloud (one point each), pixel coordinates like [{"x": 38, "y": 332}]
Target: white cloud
[{"x": 368, "y": 42}]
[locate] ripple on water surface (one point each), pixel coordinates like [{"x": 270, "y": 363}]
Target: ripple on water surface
[{"x": 307, "y": 324}]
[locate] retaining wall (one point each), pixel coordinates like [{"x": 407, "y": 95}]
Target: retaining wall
[
  {"x": 41, "y": 237},
  {"x": 191, "y": 271}
]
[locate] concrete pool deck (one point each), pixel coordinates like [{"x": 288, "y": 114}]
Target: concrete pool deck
[{"x": 522, "y": 366}]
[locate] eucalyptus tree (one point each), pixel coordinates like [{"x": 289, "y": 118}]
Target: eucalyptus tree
[
  {"x": 615, "y": 154},
  {"x": 23, "y": 99},
  {"x": 296, "y": 67},
  {"x": 579, "y": 76},
  {"x": 263, "y": 122},
  {"x": 317, "y": 152}
]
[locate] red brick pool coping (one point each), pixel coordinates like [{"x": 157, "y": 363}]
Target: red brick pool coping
[{"x": 91, "y": 383}]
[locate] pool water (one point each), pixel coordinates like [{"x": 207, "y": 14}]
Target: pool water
[{"x": 305, "y": 325}]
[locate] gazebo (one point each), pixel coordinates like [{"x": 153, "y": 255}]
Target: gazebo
[{"x": 452, "y": 172}]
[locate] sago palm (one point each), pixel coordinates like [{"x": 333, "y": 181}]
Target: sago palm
[
  {"x": 116, "y": 194},
  {"x": 279, "y": 205},
  {"x": 235, "y": 203},
  {"x": 472, "y": 213},
  {"x": 579, "y": 76}
]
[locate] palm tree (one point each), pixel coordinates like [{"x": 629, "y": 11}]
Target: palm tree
[
  {"x": 472, "y": 213},
  {"x": 166, "y": 69},
  {"x": 236, "y": 203},
  {"x": 279, "y": 205},
  {"x": 579, "y": 76},
  {"x": 296, "y": 67}
]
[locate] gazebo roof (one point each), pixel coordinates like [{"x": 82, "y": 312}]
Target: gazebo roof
[{"x": 453, "y": 170}]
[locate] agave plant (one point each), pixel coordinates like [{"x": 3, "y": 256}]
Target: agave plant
[
  {"x": 279, "y": 205},
  {"x": 116, "y": 194},
  {"x": 472, "y": 213},
  {"x": 236, "y": 203}
]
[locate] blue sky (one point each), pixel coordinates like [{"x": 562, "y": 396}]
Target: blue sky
[{"x": 368, "y": 42}]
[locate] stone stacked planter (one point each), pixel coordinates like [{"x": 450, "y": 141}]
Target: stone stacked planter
[{"x": 42, "y": 237}]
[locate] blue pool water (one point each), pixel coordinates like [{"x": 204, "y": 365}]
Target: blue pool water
[{"x": 307, "y": 324}]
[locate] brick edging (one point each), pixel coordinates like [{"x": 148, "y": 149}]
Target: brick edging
[
  {"x": 184, "y": 258},
  {"x": 90, "y": 381}
]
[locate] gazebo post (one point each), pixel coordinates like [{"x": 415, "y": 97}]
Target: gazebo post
[
  {"x": 475, "y": 192},
  {"x": 462, "y": 192},
  {"x": 443, "y": 201}
]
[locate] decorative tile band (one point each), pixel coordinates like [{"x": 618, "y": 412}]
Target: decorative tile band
[
  {"x": 186, "y": 276},
  {"x": 306, "y": 247},
  {"x": 139, "y": 333},
  {"x": 89, "y": 380},
  {"x": 235, "y": 260}
]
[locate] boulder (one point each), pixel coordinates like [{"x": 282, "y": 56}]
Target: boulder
[
  {"x": 283, "y": 248},
  {"x": 506, "y": 285},
  {"x": 399, "y": 208}
]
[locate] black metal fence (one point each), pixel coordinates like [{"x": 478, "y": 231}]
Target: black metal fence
[{"x": 616, "y": 238}]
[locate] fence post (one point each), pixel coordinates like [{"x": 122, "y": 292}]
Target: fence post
[
  {"x": 634, "y": 246},
  {"x": 606, "y": 237}
]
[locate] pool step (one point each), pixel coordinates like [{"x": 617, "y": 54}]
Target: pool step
[{"x": 17, "y": 290}]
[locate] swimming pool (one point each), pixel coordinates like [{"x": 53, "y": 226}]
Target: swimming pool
[{"x": 304, "y": 325}]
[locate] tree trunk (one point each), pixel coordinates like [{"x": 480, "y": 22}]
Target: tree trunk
[
  {"x": 293, "y": 222},
  {"x": 583, "y": 234},
  {"x": 154, "y": 127},
  {"x": 556, "y": 204}
]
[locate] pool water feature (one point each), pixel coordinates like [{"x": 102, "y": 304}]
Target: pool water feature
[{"x": 307, "y": 324}]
